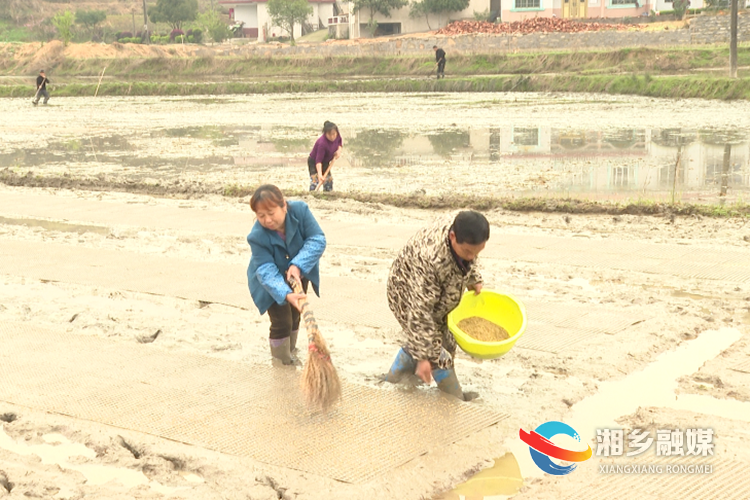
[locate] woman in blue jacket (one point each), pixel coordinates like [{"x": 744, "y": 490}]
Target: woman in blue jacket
[{"x": 286, "y": 241}]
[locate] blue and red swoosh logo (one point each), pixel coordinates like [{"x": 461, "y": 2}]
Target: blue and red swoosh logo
[{"x": 542, "y": 449}]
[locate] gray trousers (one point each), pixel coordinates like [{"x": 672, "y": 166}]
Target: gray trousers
[{"x": 41, "y": 92}]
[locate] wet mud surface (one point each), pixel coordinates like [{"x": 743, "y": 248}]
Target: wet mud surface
[{"x": 134, "y": 142}]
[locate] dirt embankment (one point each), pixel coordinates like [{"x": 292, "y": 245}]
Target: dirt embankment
[{"x": 185, "y": 189}]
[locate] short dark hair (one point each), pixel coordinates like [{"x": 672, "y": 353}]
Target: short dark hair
[
  {"x": 471, "y": 227},
  {"x": 434, "y": 46},
  {"x": 267, "y": 194}
]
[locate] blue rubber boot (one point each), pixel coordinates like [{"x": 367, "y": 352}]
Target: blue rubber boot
[
  {"x": 403, "y": 365},
  {"x": 448, "y": 382}
]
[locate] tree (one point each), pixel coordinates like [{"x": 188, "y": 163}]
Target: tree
[
  {"x": 287, "y": 13},
  {"x": 63, "y": 21},
  {"x": 90, "y": 19},
  {"x": 214, "y": 25},
  {"x": 427, "y": 7},
  {"x": 383, "y": 7},
  {"x": 680, "y": 7},
  {"x": 173, "y": 12}
]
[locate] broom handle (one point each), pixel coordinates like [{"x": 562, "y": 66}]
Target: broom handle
[{"x": 305, "y": 311}]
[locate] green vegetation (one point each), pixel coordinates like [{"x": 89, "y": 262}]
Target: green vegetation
[
  {"x": 668, "y": 86},
  {"x": 288, "y": 13},
  {"x": 90, "y": 20},
  {"x": 212, "y": 23},
  {"x": 63, "y": 21},
  {"x": 10, "y": 32},
  {"x": 653, "y": 61},
  {"x": 173, "y": 12},
  {"x": 657, "y": 72}
]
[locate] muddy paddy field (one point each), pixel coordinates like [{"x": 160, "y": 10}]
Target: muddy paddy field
[{"x": 681, "y": 363}]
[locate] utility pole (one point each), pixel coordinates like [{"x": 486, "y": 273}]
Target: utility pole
[
  {"x": 733, "y": 41},
  {"x": 146, "y": 34}
]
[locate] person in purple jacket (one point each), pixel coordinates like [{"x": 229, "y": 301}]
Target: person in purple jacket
[{"x": 327, "y": 149}]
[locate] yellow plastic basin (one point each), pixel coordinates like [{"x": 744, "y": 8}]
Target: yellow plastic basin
[{"x": 500, "y": 308}]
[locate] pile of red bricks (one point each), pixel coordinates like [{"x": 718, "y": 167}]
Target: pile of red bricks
[{"x": 534, "y": 25}]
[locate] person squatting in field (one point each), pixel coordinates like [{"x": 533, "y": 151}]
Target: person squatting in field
[
  {"x": 286, "y": 241},
  {"x": 425, "y": 283}
]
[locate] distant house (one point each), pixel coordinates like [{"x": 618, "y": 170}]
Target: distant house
[
  {"x": 400, "y": 21},
  {"x": 254, "y": 14},
  {"x": 518, "y": 10}
]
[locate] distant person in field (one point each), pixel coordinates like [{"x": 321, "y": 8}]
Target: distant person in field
[
  {"x": 439, "y": 60},
  {"x": 41, "y": 88},
  {"x": 326, "y": 151}
]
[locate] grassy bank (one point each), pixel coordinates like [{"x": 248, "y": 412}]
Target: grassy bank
[
  {"x": 587, "y": 62},
  {"x": 166, "y": 63},
  {"x": 522, "y": 204},
  {"x": 699, "y": 86}
]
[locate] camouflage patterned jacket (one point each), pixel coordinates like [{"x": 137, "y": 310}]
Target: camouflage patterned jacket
[{"x": 426, "y": 283}]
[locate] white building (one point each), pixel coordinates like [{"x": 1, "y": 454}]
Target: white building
[{"x": 254, "y": 13}]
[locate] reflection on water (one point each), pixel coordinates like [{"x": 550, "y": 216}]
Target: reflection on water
[{"x": 565, "y": 160}]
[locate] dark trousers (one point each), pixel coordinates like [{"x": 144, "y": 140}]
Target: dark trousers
[
  {"x": 284, "y": 318},
  {"x": 441, "y": 69},
  {"x": 314, "y": 181},
  {"x": 39, "y": 94}
]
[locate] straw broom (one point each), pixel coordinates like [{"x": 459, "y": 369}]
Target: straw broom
[{"x": 320, "y": 382}]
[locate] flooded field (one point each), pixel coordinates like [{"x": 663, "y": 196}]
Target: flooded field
[
  {"x": 635, "y": 322},
  {"x": 597, "y": 147}
]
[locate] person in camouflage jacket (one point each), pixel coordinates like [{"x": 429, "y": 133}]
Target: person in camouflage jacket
[{"x": 425, "y": 283}]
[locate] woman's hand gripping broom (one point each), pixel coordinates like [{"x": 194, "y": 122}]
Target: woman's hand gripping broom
[{"x": 320, "y": 382}]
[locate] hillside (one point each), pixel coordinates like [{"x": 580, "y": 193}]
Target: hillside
[{"x": 27, "y": 20}]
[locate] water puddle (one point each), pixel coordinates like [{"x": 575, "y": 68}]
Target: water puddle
[
  {"x": 58, "y": 450},
  {"x": 688, "y": 295},
  {"x": 653, "y": 386},
  {"x": 499, "y": 482},
  {"x": 55, "y": 226}
]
